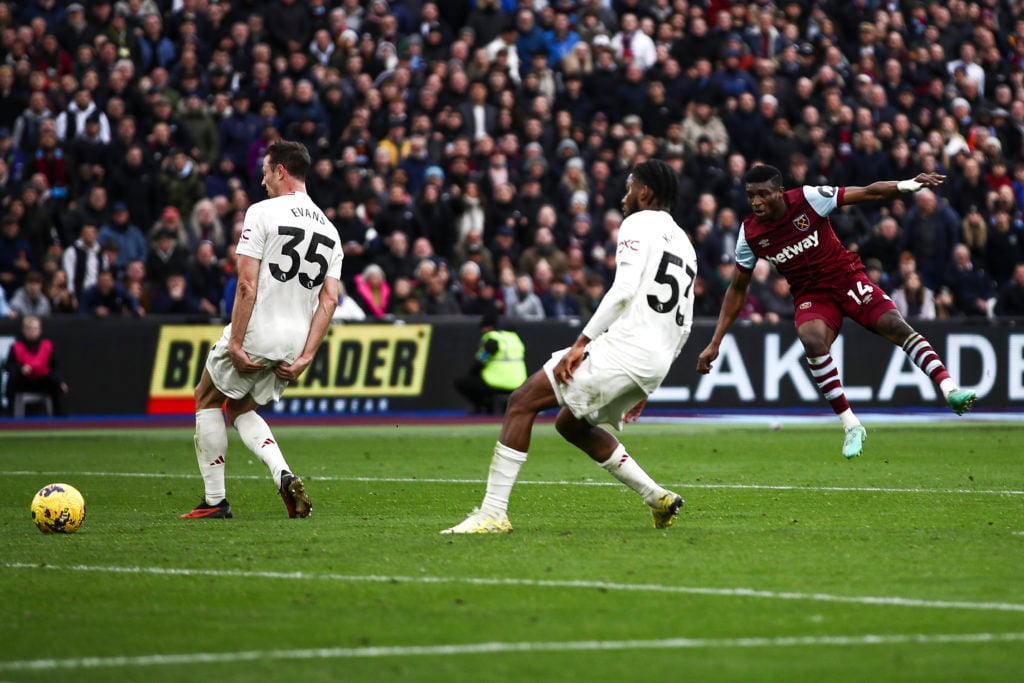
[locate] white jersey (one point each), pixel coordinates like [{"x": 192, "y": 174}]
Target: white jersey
[
  {"x": 655, "y": 269},
  {"x": 298, "y": 248}
]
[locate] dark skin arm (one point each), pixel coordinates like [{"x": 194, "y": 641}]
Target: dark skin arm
[
  {"x": 732, "y": 304},
  {"x": 887, "y": 189}
]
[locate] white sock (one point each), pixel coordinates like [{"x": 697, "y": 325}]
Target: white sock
[
  {"x": 848, "y": 418},
  {"x": 947, "y": 387},
  {"x": 625, "y": 469},
  {"x": 504, "y": 469},
  {"x": 211, "y": 441},
  {"x": 258, "y": 438}
]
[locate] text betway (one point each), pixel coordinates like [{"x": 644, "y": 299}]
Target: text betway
[{"x": 795, "y": 249}]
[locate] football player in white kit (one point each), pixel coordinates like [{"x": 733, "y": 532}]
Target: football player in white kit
[
  {"x": 622, "y": 355},
  {"x": 289, "y": 266}
]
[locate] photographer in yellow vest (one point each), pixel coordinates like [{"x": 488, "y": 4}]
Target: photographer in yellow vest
[{"x": 499, "y": 367}]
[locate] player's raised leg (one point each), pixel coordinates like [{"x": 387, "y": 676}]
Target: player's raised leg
[
  {"x": 920, "y": 351},
  {"x": 893, "y": 327}
]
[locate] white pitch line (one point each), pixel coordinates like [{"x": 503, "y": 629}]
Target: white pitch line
[
  {"x": 892, "y": 601},
  {"x": 563, "y": 482},
  {"x": 507, "y": 647}
]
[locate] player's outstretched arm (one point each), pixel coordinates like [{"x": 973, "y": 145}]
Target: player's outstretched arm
[
  {"x": 732, "y": 304},
  {"x": 890, "y": 189}
]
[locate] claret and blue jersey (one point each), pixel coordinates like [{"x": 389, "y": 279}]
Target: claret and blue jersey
[{"x": 801, "y": 245}]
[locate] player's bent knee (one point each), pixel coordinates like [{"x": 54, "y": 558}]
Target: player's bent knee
[
  {"x": 207, "y": 396},
  {"x": 571, "y": 428},
  {"x": 518, "y": 400},
  {"x": 234, "y": 407},
  {"x": 532, "y": 397},
  {"x": 893, "y": 327}
]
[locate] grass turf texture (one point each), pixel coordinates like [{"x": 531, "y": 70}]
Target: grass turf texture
[{"x": 151, "y": 596}]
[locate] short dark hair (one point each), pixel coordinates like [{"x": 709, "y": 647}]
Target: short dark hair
[
  {"x": 763, "y": 173},
  {"x": 663, "y": 181},
  {"x": 292, "y": 155}
]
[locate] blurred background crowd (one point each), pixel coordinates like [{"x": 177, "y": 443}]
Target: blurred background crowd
[{"x": 473, "y": 153}]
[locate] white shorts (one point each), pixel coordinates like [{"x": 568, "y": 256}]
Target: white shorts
[
  {"x": 600, "y": 392},
  {"x": 264, "y": 385}
]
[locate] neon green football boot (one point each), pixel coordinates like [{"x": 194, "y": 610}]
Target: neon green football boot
[
  {"x": 853, "y": 443},
  {"x": 961, "y": 400}
]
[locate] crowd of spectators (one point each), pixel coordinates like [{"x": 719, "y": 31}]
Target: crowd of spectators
[{"x": 473, "y": 153}]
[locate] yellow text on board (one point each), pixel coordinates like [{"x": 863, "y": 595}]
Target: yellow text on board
[{"x": 353, "y": 360}]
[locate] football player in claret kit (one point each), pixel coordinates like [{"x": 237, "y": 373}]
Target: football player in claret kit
[
  {"x": 791, "y": 229},
  {"x": 622, "y": 355},
  {"x": 289, "y": 265}
]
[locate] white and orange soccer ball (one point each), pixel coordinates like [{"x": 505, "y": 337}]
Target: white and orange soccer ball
[{"x": 58, "y": 509}]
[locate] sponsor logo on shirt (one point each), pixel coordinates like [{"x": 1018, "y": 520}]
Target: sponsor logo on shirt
[
  {"x": 628, "y": 244},
  {"x": 244, "y": 237},
  {"x": 795, "y": 250}
]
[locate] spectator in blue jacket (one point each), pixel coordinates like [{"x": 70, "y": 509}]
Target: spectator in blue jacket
[
  {"x": 239, "y": 129},
  {"x": 930, "y": 230},
  {"x": 559, "y": 303},
  {"x": 972, "y": 289},
  {"x": 531, "y": 38},
  {"x": 129, "y": 238},
  {"x": 107, "y": 298}
]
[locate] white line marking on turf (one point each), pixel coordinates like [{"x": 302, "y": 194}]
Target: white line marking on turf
[
  {"x": 507, "y": 647},
  {"x": 538, "y": 583},
  {"x": 426, "y": 480}
]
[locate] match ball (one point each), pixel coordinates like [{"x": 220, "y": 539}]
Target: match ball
[{"x": 58, "y": 509}]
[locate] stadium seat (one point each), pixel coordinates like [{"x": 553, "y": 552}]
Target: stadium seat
[{"x": 27, "y": 398}]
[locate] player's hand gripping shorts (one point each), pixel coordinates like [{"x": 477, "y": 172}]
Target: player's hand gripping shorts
[
  {"x": 600, "y": 392},
  {"x": 264, "y": 385}
]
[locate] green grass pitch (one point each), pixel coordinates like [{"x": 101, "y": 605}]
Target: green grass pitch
[{"x": 788, "y": 563}]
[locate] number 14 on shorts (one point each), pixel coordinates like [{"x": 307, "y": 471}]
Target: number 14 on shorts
[{"x": 863, "y": 295}]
